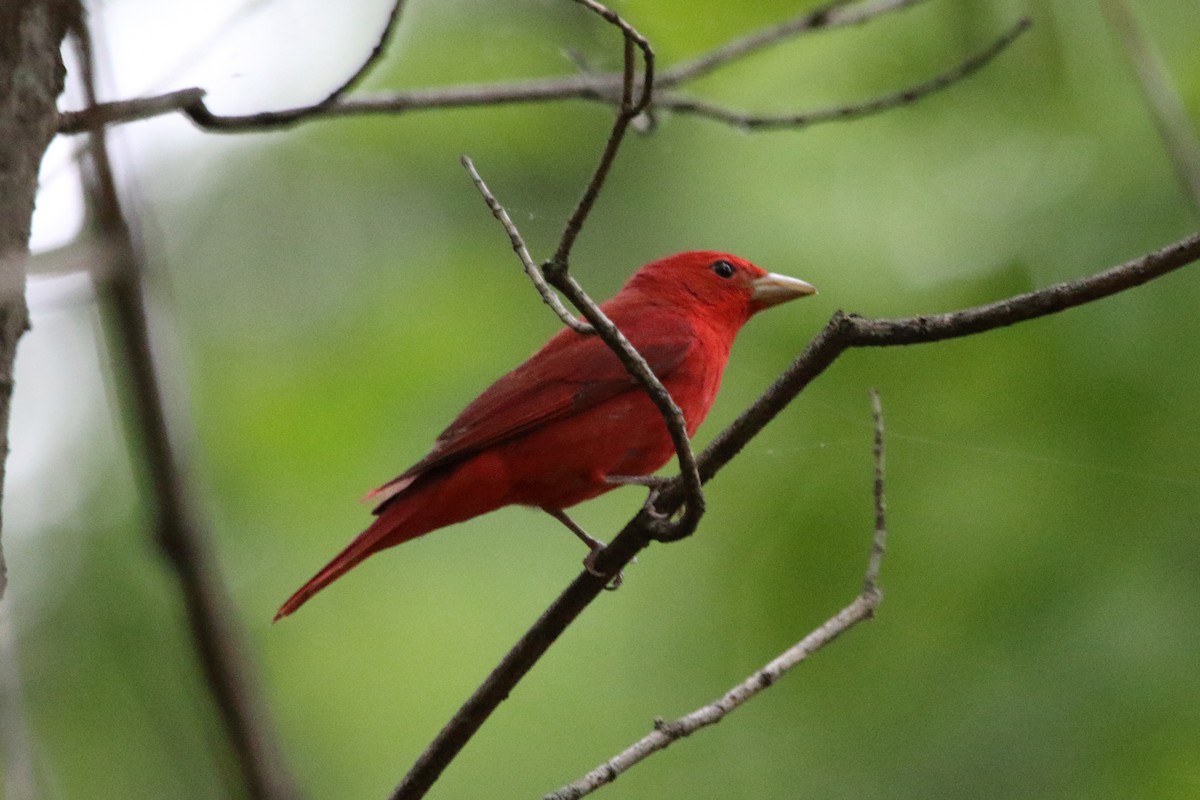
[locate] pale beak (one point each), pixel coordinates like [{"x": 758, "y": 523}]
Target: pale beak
[{"x": 772, "y": 289}]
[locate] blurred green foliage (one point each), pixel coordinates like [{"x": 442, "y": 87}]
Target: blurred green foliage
[{"x": 339, "y": 291}]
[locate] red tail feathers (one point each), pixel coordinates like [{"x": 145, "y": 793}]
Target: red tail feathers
[{"x": 388, "y": 530}]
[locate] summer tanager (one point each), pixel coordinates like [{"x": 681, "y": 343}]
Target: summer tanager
[{"x": 570, "y": 423}]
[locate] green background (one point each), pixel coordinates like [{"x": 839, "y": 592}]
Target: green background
[{"x": 329, "y": 297}]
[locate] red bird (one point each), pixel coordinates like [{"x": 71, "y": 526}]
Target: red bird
[{"x": 570, "y": 423}]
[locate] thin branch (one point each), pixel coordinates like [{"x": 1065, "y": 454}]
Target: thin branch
[
  {"x": 179, "y": 536},
  {"x": 842, "y": 332},
  {"x": 628, "y": 110},
  {"x": 519, "y": 660},
  {"x": 833, "y": 15},
  {"x": 667, "y": 733},
  {"x": 879, "y": 542},
  {"x": 200, "y": 114},
  {"x": 1167, "y": 108},
  {"x": 518, "y": 244},
  {"x": 558, "y": 275},
  {"x": 120, "y": 111},
  {"x": 373, "y": 58},
  {"x": 861, "y": 608},
  {"x": 603, "y": 88},
  {"x": 191, "y": 101},
  {"x": 842, "y": 113}
]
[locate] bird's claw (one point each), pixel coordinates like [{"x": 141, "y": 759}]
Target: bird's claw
[
  {"x": 589, "y": 563},
  {"x": 649, "y": 508}
]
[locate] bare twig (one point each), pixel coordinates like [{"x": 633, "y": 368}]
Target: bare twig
[
  {"x": 200, "y": 114},
  {"x": 689, "y": 473},
  {"x": 862, "y": 607},
  {"x": 841, "y": 333},
  {"x": 626, "y": 112},
  {"x": 180, "y": 537},
  {"x": 879, "y": 542},
  {"x": 191, "y": 101},
  {"x": 667, "y": 733},
  {"x": 842, "y": 113},
  {"x": 558, "y": 275},
  {"x": 837, "y": 14},
  {"x": 612, "y": 336},
  {"x": 119, "y": 111},
  {"x": 605, "y": 88},
  {"x": 844, "y": 331},
  {"x": 1167, "y": 108},
  {"x": 518, "y": 244}
]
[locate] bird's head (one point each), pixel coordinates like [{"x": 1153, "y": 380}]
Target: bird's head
[{"x": 715, "y": 285}]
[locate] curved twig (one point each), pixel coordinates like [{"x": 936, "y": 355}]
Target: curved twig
[{"x": 199, "y": 113}]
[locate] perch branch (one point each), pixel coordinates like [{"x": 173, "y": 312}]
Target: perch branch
[
  {"x": 842, "y": 332},
  {"x": 179, "y": 535},
  {"x": 862, "y": 607}
]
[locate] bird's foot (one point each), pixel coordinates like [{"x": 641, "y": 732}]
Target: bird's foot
[
  {"x": 594, "y": 546},
  {"x": 589, "y": 563}
]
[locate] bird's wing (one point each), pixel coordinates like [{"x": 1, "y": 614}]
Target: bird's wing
[{"x": 571, "y": 374}]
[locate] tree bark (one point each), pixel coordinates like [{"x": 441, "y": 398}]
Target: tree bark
[{"x": 31, "y": 78}]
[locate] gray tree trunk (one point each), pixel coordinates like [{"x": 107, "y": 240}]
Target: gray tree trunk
[{"x": 31, "y": 78}]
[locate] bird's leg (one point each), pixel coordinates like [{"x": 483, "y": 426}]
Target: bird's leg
[
  {"x": 653, "y": 482},
  {"x": 594, "y": 546}
]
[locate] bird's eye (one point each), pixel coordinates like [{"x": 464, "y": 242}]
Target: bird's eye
[{"x": 723, "y": 269}]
